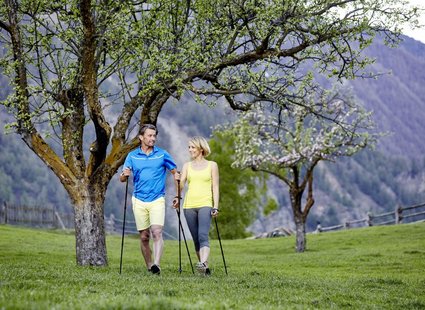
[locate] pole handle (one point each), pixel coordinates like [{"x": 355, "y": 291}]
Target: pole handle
[{"x": 179, "y": 196}]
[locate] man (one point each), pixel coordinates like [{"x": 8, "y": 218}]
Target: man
[{"x": 149, "y": 165}]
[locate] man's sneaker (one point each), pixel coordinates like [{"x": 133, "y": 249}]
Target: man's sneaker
[
  {"x": 155, "y": 269},
  {"x": 201, "y": 267}
]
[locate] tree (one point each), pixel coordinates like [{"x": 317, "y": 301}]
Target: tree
[
  {"x": 96, "y": 69},
  {"x": 241, "y": 191},
  {"x": 291, "y": 140}
]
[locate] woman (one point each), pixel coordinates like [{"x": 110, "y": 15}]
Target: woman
[{"x": 201, "y": 199}]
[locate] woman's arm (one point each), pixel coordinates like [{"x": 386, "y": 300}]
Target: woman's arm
[
  {"x": 183, "y": 176},
  {"x": 215, "y": 184},
  {"x": 182, "y": 179}
]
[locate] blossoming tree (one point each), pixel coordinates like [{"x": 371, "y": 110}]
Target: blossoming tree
[{"x": 289, "y": 141}]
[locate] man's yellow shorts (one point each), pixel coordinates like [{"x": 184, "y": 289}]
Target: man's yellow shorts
[{"x": 148, "y": 213}]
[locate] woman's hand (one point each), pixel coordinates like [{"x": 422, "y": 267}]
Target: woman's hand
[
  {"x": 176, "y": 202},
  {"x": 177, "y": 175},
  {"x": 214, "y": 212}
]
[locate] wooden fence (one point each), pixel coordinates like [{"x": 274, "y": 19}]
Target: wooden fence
[
  {"x": 48, "y": 217},
  {"x": 115, "y": 226},
  {"x": 401, "y": 214},
  {"x": 35, "y": 216}
]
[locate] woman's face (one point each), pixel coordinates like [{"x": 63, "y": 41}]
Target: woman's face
[{"x": 194, "y": 151}]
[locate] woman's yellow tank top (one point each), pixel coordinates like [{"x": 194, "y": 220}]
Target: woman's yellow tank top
[{"x": 199, "y": 192}]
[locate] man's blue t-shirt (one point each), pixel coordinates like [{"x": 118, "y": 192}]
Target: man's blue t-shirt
[{"x": 149, "y": 172}]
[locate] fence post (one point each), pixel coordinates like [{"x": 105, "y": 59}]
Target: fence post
[
  {"x": 60, "y": 220},
  {"x": 2, "y": 212},
  {"x": 318, "y": 228},
  {"x": 369, "y": 219},
  {"x": 110, "y": 224},
  {"x": 5, "y": 212},
  {"x": 398, "y": 214}
]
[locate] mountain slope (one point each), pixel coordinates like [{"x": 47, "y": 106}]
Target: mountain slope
[{"x": 398, "y": 98}]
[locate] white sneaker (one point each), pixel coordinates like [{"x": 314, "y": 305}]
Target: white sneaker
[{"x": 201, "y": 267}]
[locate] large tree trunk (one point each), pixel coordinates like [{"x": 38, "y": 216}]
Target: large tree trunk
[{"x": 89, "y": 226}]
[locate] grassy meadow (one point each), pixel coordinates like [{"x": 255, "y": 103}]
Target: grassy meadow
[{"x": 365, "y": 268}]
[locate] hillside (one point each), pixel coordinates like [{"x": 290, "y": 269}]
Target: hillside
[
  {"x": 397, "y": 98},
  {"x": 372, "y": 181}
]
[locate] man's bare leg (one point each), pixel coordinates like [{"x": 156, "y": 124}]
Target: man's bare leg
[
  {"x": 145, "y": 248},
  {"x": 158, "y": 243}
]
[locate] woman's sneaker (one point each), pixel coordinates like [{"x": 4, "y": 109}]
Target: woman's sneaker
[{"x": 201, "y": 267}]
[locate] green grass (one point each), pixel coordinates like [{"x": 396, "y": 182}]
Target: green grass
[{"x": 365, "y": 268}]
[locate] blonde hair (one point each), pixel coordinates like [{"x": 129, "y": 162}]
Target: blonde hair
[{"x": 202, "y": 144}]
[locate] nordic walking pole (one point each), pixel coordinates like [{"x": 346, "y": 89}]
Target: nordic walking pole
[
  {"x": 221, "y": 248},
  {"x": 178, "y": 215},
  {"x": 123, "y": 223},
  {"x": 185, "y": 242},
  {"x": 182, "y": 231}
]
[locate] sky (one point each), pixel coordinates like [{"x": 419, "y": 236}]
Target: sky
[{"x": 418, "y": 34}]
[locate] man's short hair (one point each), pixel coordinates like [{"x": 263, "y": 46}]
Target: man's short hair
[{"x": 147, "y": 126}]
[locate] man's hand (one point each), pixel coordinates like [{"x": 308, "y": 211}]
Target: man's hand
[{"x": 125, "y": 174}]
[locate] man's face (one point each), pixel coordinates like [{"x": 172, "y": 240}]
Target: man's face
[{"x": 149, "y": 138}]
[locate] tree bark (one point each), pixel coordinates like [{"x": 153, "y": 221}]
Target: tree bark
[
  {"x": 296, "y": 193},
  {"x": 89, "y": 225},
  {"x": 301, "y": 240},
  {"x": 299, "y": 219}
]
